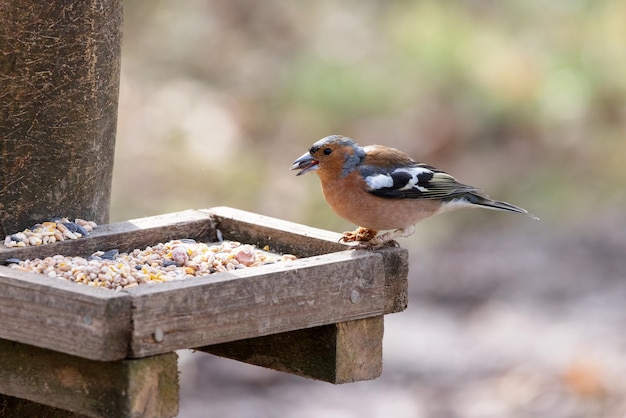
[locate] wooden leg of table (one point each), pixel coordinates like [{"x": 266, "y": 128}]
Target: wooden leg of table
[
  {"x": 145, "y": 387},
  {"x": 338, "y": 353}
]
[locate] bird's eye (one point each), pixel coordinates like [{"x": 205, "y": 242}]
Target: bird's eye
[{"x": 327, "y": 151}]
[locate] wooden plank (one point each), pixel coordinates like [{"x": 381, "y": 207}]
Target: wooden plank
[
  {"x": 359, "y": 350},
  {"x": 281, "y": 351},
  {"x": 77, "y": 319},
  {"x": 337, "y": 353},
  {"x": 305, "y": 241},
  {"x": 125, "y": 236},
  {"x": 249, "y": 303},
  {"x": 130, "y": 388},
  {"x": 51, "y": 313},
  {"x": 396, "y": 264},
  {"x": 280, "y": 235}
]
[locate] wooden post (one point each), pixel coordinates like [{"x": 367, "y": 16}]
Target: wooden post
[{"x": 59, "y": 81}]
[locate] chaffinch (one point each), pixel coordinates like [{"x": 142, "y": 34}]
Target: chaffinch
[{"x": 381, "y": 188}]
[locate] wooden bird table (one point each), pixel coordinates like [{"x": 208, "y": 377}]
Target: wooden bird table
[{"x": 102, "y": 353}]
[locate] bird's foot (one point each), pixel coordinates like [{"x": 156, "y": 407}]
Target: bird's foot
[
  {"x": 360, "y": 235},
  {"x": 386, "y": 239},
  {"x": 369, "y": 239}
]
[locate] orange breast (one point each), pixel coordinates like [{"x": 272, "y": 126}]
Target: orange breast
[{"x": 350, "y": 200}]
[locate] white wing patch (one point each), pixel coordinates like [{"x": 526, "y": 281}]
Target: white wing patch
[
  {"x": 379, "y": 181},
  {"x": 405, "y": 178}
]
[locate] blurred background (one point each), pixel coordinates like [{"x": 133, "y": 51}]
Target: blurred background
[{"x": 507, "y": 317}]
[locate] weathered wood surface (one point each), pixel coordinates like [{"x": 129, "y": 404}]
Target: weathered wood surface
[
  {"x": 77, "y": 319},
  {"x": 280, "y": 235},
  {"x": 90, "y": 323},
  {"x": 249, "y": 303},
  {"x": 52, "y": 313},
  {"x": 125, "y": 236},
  {"x": 60, "y": 72},
  {"x": 130, "y": 388},
  {"x": 305, "y": 241},
  {"x": 396, "y": 263},
  {"x": 337, "y": 353}
]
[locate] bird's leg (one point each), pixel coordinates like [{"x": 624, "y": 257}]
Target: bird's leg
[
  {"x": 368, "y": 238},
  {"x": 391, "y": 235},
  {"x": 359, "y": 235}
]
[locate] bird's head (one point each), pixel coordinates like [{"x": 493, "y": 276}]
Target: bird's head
[{"x": 334, "y": 154}]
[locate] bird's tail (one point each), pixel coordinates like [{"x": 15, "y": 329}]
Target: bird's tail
[{"x": 486, "y": 202}]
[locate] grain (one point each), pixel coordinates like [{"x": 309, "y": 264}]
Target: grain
[{"x": 164, "y": 262}]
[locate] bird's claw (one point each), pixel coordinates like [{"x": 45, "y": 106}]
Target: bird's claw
[
  {"x": 360, "y": 235},
  {"x": 366, "y": 239}
]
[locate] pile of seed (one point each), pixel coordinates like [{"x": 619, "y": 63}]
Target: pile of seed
[
  {"x": 173, "y": 260},
  {"x": 58, "y": 229}
]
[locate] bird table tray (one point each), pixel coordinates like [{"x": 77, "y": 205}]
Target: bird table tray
[{"x": 328, "y": 283}]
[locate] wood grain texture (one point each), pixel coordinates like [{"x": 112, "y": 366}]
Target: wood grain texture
[
  {"x": 60, "y": 80},
  {"x": 63, "y": 316},
  {"x": 359, "y": 350},
  {"x": 337, "y": 353},
  {"x": 305, "y": 241},
  {"x": 396, "y": 263},
  {"x": 125, "y": 236},
  {"x": 280, "y": 235},
  {"x": 304, "y": 293},
  {"x": 249, "y": 303},
  {"x": 130, "y": 388},
  {"x": 77, "y": 319}
]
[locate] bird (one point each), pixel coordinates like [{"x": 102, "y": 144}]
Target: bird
[{"x": 379, "y": 188}]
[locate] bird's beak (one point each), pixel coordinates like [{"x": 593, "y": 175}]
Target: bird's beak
[{"x": 305, "y": 164}]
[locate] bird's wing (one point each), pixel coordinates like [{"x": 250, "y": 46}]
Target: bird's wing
[{"x": 415, "y": 181}]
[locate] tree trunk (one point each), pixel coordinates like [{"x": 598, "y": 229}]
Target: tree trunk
[{"x": 59, "y": 81}]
